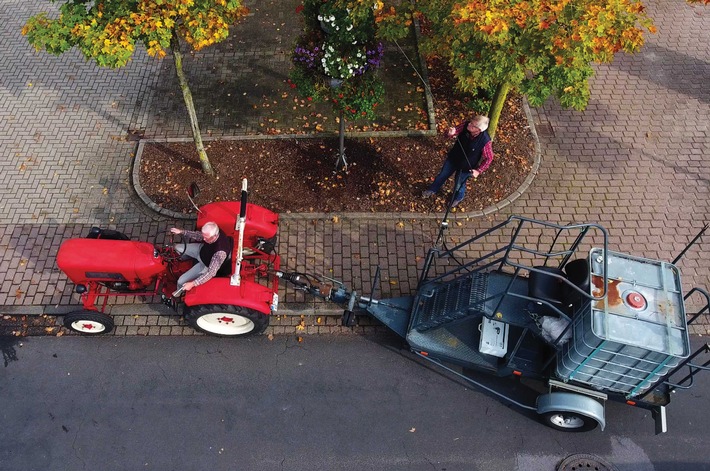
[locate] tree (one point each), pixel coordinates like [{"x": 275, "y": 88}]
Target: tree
[
  {"x": 539, "y": 47},
  {"x": 335, "y": 61},
  {"x": 107, "y": 31}
]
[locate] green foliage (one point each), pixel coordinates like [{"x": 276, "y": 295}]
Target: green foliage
[
  {"x": 303, "y": 82},
  {"x": 108, "y": 31},
  {"x": 480, "y": 100},
  {"x": 540, "y": 47},
  {"x": 359, "y": 97}
]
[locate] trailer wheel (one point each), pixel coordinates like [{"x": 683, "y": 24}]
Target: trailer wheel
[
  {"x": 226, "y": 320},
  {"x": 569, "y": 421},
  {"x": 570, "y": 412},
  {"x": 88, "y": 322}
]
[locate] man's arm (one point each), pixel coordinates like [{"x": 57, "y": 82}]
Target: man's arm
[
  {"x": 193, "y": 235},
  {"x": 486, "y": 158},
  {"x": 455, "y": 131},
  {"x": 217, "y": 259}
]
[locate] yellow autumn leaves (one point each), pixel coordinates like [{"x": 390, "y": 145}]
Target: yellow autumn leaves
[
  {"x": 108, "y": 32},
  {"x": 602, "y": 27}
]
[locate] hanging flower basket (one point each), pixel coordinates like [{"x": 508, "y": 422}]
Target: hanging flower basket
[{"x": 335, "y": 60}]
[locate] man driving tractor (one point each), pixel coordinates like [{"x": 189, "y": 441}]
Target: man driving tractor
[{"x": 212, "y": 251}]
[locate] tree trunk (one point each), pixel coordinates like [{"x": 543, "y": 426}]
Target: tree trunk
[
  {"x": 187, "y": 95},
  {"x": 497, "y": 106}
]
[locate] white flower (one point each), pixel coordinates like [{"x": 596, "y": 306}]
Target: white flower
[
  {"x": 320, "y": 17},
  {"x": 332, "y": 18}
]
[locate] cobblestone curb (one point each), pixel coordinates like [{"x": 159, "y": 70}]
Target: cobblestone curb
[{"x": 157, "y": 319}]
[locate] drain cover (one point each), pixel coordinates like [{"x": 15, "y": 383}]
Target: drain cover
[{"x": 584, "y": 462}]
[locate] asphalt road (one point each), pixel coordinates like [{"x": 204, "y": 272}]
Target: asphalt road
[{"x": 327, "y": 403}]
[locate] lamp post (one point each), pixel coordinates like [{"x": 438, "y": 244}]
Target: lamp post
[{"x": 341, "y": 163}]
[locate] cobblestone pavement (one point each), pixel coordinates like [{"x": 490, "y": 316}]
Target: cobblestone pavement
[{"x": 634, "y": 161}]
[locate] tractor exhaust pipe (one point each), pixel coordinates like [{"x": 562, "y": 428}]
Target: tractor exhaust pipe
[{"x": 236, "y": 278}]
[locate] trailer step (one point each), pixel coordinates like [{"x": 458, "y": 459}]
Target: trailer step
[{"x": 441, "y": 304}]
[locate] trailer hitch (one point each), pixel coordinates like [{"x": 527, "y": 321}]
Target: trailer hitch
[{"x": 324, "y": 288}]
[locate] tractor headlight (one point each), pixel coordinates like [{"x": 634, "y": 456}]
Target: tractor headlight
[{"x": 81, "y": 289}]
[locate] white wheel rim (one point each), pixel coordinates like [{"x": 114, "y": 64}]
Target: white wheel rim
[
  {"x": 567, "y": 421},
  {"x": 88, "y": 327},
  {"x": 225, "y": 323}
]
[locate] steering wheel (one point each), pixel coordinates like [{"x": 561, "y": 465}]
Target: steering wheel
[{"x": 176, "y": 247}]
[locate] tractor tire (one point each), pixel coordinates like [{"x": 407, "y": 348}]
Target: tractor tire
[
  {"x": 88, "y": 322},
  {"x": 226, "y": 320},
  {"x": 568, "y": 421}
]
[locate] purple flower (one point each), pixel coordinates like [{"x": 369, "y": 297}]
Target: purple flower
[
  {"x": 374, "y": 56},
  {"x": 309, "y": 58}
]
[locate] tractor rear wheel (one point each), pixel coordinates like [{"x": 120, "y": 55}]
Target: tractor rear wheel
[
  {"x": 88, "y": 322},
  {"x": 226, "y": 320}
]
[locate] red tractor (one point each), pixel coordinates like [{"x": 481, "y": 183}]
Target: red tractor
[{"x": 106, "y": 264}]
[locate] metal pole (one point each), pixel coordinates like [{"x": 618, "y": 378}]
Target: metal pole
[
  {"x": 236, "y": 279},
  {"x": 341, "y": 164}
]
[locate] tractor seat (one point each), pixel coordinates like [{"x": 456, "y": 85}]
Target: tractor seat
[{"x": 546, "y": 287}]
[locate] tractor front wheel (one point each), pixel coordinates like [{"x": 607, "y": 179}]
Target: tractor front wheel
[
  {"x": 226, "y": 320},
  {"x": 88, "y": 322}
]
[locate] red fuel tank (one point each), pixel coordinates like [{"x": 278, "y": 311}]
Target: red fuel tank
[{"x": 85, "y": 260}]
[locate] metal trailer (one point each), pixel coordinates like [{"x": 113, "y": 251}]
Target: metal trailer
[{"x": 551, "y": 303}]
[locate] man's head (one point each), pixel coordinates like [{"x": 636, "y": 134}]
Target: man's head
[
  {"x": 210, "y": 232},
  {"x": 477, "y": 125}
]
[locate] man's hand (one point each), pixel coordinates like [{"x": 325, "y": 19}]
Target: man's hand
[
  {"x": 188, "y": 286},
  {"x": 175, "y": 230},
  {"x": 475, "y": 173},
  {"x": 452, "y": 132}
]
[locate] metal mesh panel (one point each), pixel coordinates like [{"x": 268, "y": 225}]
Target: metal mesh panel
[{"x": 438, "y": 305}]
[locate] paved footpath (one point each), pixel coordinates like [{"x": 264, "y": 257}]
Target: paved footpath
[{"x": 635, "y": 161}]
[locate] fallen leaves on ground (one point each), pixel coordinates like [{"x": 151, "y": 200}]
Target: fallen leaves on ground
[{"x": 383, "y": 175}]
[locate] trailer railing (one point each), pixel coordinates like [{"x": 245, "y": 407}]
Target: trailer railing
[
  {"x": 508, "y": 254},
  {"x": 521, "y": 246},
  {"x": 693, "y": 368}
]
